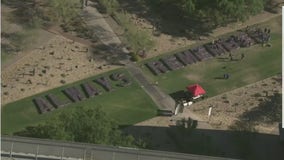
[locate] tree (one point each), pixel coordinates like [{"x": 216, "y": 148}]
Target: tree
[
  {"x": 189, "y": 6},
  {"x": 39, "y": 12},
  {"x": 268, "y": 111},
  {"x": 255, "y": 6},
  {"x": 135, "y": 38},
  {"x": 217, "y": 11},
  {"x": 111, "y": 6},
  {"x": 62, "y": 10},
  {"x": 81, "y": 124}
]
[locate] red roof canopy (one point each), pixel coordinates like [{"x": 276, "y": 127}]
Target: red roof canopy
[{"x": 195, "y": 89}]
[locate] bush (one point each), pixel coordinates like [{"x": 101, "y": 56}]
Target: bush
[
  {"x": 62, "y": 10},
  {"x": 137, "y": 39},
  {"x": 257, "y": 95},
  {"x": 134, "y": 57},
  {"x": 62, "y": 81},
  {"x": 110, "y": 6}
]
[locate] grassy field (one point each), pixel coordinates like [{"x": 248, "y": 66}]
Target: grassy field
[
  {"x": 126, "y": 105},
  {"x": 259, "y": 63}
]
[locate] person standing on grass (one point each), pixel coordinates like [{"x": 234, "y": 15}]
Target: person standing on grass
[
  {"x": 226, "y": 76},
  {"x": 231, "y": 57},
  {"x": 242, "y": 56}
]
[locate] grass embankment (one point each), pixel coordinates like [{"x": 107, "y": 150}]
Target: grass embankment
[
  {"x": 126, "y": 105},
  {"x": 259, "y": 63}
]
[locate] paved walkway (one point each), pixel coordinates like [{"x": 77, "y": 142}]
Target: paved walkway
[
  {"x": 101, "y": 28},
  {"x": 162, "y": 100}
]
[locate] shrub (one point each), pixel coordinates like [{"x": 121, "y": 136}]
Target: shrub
[
  {"x": 134, "y": 57},
  {"x": 257, "y": 95},
  {"x": 137, "y": 39},
  {"x": 110, "y": 6},
  {"x": 62, "y": 81}
]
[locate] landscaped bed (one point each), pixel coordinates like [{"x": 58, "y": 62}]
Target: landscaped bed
[{"x": 127, "y": 105}]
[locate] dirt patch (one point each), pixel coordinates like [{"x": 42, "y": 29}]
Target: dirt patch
[
  {"x": 194, "y": 77},
  {"x": 229, "y": 106},
  {"x": 59, "y": 61}
]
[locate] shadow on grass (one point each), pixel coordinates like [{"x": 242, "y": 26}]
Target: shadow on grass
[
  {"x": 220, "y": 77},
  {"x": 180, "y": 95}
]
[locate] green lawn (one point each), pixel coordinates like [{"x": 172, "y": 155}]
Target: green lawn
[
  {"x": 126, "y": 105},
  {"x": 259, "y": 63}
]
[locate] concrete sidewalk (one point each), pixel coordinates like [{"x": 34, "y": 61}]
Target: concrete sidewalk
[
  {"x": 101, "y": 28},
  {"x": 162, "y": 100}
]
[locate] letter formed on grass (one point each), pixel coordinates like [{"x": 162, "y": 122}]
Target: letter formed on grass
[
  {"x": 215, "y": 49},
  {"x": 55, "y": 101},
  {"x": 201, "y": 53},
  {"x": 121, "y": 77},
  {"x": 186, "y": 58},
  {"x": 43, "y": 105},
  {"x": 157, "y": 67},
  {"x": 230, "y": 44},
  {"x": 171, "y": 62},
  {"x": 125, "y": 82},
  {"x": 74, "y": 94},
  {"x": 116, "y": 76},
  {"x": 104, "y": 82},
  {"x": 90, "y": 90}
]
